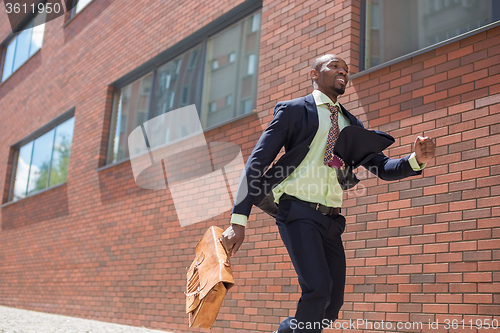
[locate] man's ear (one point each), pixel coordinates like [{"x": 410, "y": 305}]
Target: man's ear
[{"x": 313, "y": 75}]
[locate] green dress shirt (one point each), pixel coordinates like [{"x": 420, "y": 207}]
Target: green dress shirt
[{"x": 313, "y": 181}]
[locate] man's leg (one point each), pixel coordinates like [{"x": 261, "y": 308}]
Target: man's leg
[
  {"x": 335, "y": 257},
  {"x": 303, "y": 239}
]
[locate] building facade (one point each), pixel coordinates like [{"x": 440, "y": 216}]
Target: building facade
[{"x": 79, "y": 237}]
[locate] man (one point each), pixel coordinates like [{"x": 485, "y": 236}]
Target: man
[{"x": 304, "y": 183}]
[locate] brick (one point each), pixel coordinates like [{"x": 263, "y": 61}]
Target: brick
[
  {"x": 462, "y": 225},
  {"x": 487, "y": 202},
  {"x": 449, "y": 139},
  {"x": 461, "y": 52},
  {"x": 477, "y": 133},
  {"x": 435, "y": 97},
  {"x": 459, "y": 90},
  {"x": 488, "y": 100},
  {"x": 475, "y": 76},
  {"x": 461, "y": 108},
  {"x": 490, "y": 80},
  {"x": 445, "y": 85},
  {"x": 401, "y": 81},
  {"x": 449, "y": 298},
  {"x": 447, "y": 48},
  {"x": 411, "y": 86},
  {"x": 423, "y": 201},
  {"x": 463, "y": 309},
  {"x": 437, "y": 189},
  {"x": 488, "y": 121},
  {"x": 461, "y": 146},
  {"x": 473, "y": 57},
  {"x": 462, "y": 166},
  {"x": 488, "y": 181},
  {"x": 447, "y": 217},
  {"x": 436, "y": 248},
  {"x": 477, "y": 173},
  {"x": 423, "y": 91},
  {"x": 448, "y": 178},
  {"x": 477, "y": 277},
  {"x": 449, "y": 197},
  {"x": 476, "y": 193},
  {"x": 489, "y": 309},
  {"x": 463, "y": 288},
  {"x": 461, "y": 127},
  {"x": 487, "y": 244},
  {"x": 436, "y": 60},
  {"x": 449, "y": 257},
  {"x": 475, "y": 153}
]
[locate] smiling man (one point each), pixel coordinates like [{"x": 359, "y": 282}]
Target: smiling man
[{"x": 302, "y": 190}]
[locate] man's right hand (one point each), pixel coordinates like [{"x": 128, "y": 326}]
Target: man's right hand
[{"x": 232, "y": 238}]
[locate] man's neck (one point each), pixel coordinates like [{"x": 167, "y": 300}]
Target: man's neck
[{"x": 331, "y": 96}]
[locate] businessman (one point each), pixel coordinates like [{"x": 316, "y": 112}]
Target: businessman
[{"x": 303, "y": 189}]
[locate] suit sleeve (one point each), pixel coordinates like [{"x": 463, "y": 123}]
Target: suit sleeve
[
  {"x": 269, "y": 145},
  {"x": 390, "y": 168}
]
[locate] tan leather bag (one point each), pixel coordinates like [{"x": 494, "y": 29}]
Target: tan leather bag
[{"x": 208, "y": 279}]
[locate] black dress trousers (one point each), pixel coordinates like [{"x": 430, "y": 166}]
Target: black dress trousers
[{"x": 314, "y": 244}]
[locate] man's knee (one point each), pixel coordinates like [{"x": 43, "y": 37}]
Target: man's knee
[
  {"x": 333, "y": 309},
  {"x": 322, "y": 293}
]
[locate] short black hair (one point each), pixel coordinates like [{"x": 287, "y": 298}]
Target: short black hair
[{"x": 318, "y": 62}]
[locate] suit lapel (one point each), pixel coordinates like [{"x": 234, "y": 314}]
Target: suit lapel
[
  {"x": 353, "y": 120},
  {"x": 312, "y": 115}
]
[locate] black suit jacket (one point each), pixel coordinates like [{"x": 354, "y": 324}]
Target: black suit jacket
[{"x": 294, "y": 126}]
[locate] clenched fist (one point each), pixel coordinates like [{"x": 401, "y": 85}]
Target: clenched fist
[{"x": 425, "y": 149}]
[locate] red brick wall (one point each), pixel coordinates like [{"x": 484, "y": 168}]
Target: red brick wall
[
  {"x": 418, "y": 249},
  {"x": 427, "y": 248}
]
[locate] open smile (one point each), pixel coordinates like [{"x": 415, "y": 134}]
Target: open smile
[{"x": 341, "y": 80}]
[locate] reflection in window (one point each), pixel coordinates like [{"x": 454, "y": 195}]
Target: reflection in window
[
  {"x": 395, "y": 28},
  {"x": 218, "y": 75},
  {"x": 178, "y": 82},
  {"x": 80, "y": 4},
  {"x": 40, "y": 162},
  {"x": 130, "y": 110},
  {"x": 61, "y": 152},
  {"x": 22, "y": 172},
  {"x": 21, "y": 48},
  {"x": 235, "y": 51},
  {"x": 44, "y": 161}
]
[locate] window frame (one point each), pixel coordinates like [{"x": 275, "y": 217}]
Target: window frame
[
  {"x": 362, "y": 49},
  {"x": 200, "y": 37},
  {"x": 10, "y": 39},
  {"x": 30, "y": 138},
  {"x": 73, "y": 8}
]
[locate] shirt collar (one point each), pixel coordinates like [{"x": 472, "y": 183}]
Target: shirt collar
[{"x": 320, "y": 98}]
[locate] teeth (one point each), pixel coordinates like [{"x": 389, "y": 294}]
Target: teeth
[{"x": 341, "y": 80}]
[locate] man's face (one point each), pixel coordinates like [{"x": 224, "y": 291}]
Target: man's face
[{"x": 332, "y": 76}]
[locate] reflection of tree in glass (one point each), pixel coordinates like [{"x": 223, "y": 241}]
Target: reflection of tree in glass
[
  {"x": 60, "y": 162},
  {"x": 41, "y": 178}
]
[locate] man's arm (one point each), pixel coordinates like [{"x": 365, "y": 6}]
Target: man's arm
[
  {"x": 399, "y": 168},
  {"x": 264, "y": 153}
]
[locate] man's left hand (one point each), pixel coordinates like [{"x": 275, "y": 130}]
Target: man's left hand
[{"x": 425, "y": 149}]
